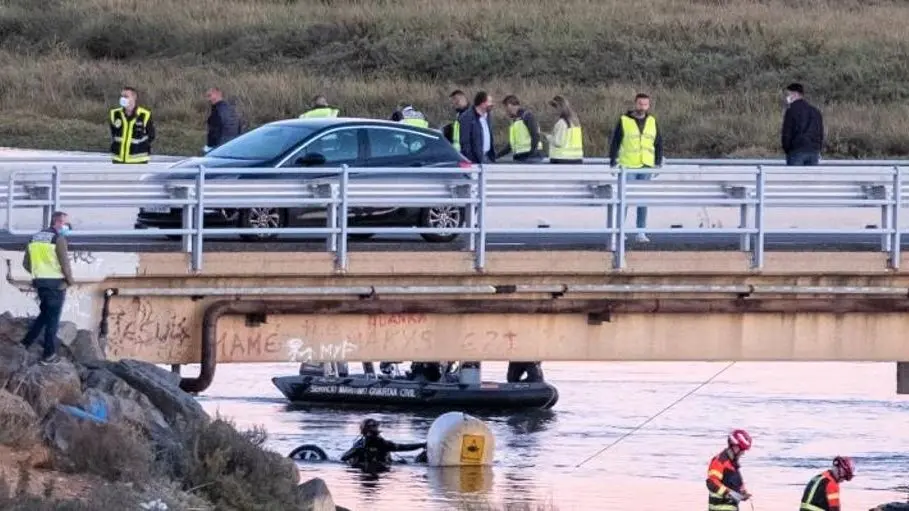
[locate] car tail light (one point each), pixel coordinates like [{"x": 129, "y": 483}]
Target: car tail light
[{"x": 464, "y": 165}]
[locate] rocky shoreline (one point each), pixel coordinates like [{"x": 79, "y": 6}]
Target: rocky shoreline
[{"x": 91, "y": 434}]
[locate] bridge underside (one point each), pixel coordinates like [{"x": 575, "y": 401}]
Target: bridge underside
[{"x": 291, "y": 307}]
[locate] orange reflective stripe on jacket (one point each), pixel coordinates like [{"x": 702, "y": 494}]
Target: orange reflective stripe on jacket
[
  {"x": 826, "y": 500},
  {"x": 723, "y": 476}
]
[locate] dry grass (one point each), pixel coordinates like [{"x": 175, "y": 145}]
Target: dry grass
[
  {"x": 115, "y": 452},
  {"x": 233, "y": 471},
  {"x": 714, "y": 66}
]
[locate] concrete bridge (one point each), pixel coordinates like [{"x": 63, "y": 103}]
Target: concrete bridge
[{"x": 816, "y": 296}]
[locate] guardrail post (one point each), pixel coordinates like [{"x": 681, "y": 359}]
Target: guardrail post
[
  {"x": 341, "y": 259},
  {"x": 332, "y": 210},
  {"x": 55, "y": 194},
  {"x": 200, "y": 214},
  {"x": 480, "y": 248},
  {"x": 471, "y": 219},
  {"x": 886, "y": 214},
  {"x": 611, "y": 216},
  {"x": 757, "y": 259},
  {"x": 186, "y": 218},
  {"x": 10, "y": 198},
  {"x": 896, "y": 218},
  {"x": 618, "y": 259},
  {"x": 745, "y": 238}
]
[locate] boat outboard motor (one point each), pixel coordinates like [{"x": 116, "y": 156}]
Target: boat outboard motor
[{"x": 469, "y": 373}]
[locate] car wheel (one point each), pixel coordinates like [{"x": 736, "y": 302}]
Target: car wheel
[
  {"x": 441, "y": 217},
  {"x": 269, "y": 218}
]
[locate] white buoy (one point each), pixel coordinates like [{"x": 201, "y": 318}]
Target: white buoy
[{"x": 456, "y": 439}]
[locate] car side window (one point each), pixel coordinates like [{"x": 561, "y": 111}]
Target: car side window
[
  {"x": 386, "y": 143},
  {"x": 336, "y": 147}
]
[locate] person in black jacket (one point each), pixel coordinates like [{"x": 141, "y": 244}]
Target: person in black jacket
[
  {"x": 802, "y": 135},
  {"x": 477, "y": 141},
  {"x": 372, "y": 452},
  {"x": 223, "y": 122}
]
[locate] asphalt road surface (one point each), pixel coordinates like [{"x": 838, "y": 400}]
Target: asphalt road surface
[{"x": 495, "y": 242}]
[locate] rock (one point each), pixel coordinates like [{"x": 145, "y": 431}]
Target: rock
[
  {"x": 13, "y": 357},
  {"x": 13, "y": 329},
  {"x": 314, "y": 496},
  {"x": 45, "y": 386},
  {"x": 67, "y": 333},
  {"x": 18, "y": 422},
  {"x": 85, "y": 348},
  {"x": 161, "y": 387}
]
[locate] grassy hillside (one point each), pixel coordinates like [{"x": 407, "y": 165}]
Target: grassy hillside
[{"x": 714, "y": 67}]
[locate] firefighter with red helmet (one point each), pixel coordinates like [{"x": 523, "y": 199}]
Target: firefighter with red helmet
[
  {"x": 822, "y": 493},
  {"x": 724, "y": 479}
]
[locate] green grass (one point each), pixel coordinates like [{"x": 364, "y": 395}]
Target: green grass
[{"x": 714, "y": 67}]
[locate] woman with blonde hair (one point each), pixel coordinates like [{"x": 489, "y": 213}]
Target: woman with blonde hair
[{"x": 566, "y": 141}]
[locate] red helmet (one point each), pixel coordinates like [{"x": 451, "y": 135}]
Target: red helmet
[
  {"x": 741, "y": 439},
  {"x": 846, "y": 466}
]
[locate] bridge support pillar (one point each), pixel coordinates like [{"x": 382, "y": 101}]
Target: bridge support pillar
[{"x": 902, "y": 377}]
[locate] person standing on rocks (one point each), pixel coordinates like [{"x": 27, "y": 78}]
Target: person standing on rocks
[{"x": 47, "y": 260}]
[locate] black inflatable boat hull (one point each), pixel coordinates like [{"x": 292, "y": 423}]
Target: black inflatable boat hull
[{"x": 311, "y": 390}]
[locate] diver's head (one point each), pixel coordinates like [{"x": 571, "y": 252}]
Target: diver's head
[{"x": 369, "y": 428}]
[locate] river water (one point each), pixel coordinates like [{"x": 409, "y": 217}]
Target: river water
[{"x": 799, "y": 414}]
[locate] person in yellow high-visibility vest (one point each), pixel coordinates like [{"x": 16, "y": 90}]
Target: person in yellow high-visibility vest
[
  {"x": 320, "y": 108},
  {"x": 523, "y": 134},
  {"x": 566, "y": 143},
  {"x": 411, "y": 116},
  {"x": 47, "y": 260},
  {"x": 637, "y": 144},
  {"x": 132, "y": 130}
]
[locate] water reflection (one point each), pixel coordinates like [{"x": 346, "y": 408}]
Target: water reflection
[{"x": 800, "y": 415}]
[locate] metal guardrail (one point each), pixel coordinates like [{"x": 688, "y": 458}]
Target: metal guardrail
[{"x": 750, "y": 189}]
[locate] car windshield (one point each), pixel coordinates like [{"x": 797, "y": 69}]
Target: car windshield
[{"x": 263, "y": 143}]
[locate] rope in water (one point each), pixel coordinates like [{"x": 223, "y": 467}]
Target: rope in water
[{"x": 661, "y": 412}]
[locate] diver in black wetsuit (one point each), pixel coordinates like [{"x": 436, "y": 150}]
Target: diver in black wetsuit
[{"x": 372, "y": 452}]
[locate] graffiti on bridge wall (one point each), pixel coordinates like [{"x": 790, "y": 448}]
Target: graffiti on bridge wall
[{"x": 138, "y": 326}]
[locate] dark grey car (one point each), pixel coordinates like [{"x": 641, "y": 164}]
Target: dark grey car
[{"x": 326, "y": 142}]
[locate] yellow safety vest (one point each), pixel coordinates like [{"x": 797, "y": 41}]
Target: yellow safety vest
[
  {"x": 456, "y": 134},
  {"x": 42, "y": 255},
  {"x": 130, "y": 146},
  {"x": 638, "y": 149},
  {"x": 413, "y": 121},
  {"x": 519, "y": 137},
  {"x": 324, "y": 111},
  {"x": 574, "y": 147}
]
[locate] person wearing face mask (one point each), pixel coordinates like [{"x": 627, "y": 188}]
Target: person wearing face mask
[
  {"x": 802, "y": 135},
  {"x": 131, "y": 129},
  {"x": 47, "y": 260},
  {"x": 724, "y": 478},
  {"x": 371, "y": 451},
  {"x": 822, "y": 493},
  {"x": 476, "y": 133}
]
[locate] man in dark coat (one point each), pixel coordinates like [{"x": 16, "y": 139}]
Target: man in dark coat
[
  {"x": 802, "y": 135},
  {"x": 223, "y": 122},
  {"x": 477, "y": 142}
]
